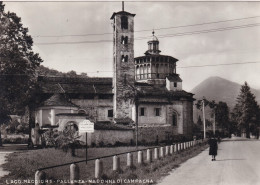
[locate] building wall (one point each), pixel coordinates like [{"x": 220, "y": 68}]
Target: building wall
[
  {"x": 47, "y": 115},
  {"x": 149, "y": 119},
  {"x": 150, "y": 134},
  {"x": 170, "y": 85},
  {"x": 188, "y": 117},
  {"x": 177, "y": 108},
  {"x": 96, "y": 108},
  {"x": 108, "y": 137}
]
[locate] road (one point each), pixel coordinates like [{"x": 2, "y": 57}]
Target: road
[{"x": 237, "y": 163}]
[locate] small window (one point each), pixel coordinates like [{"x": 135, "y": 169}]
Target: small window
[
  {"x": 157, "y": 111},
  {"x": 124, "y": 22},
  {"x": 124, "y": 58},
  {"x": 110, "y": 113},
  {"x": 142, "y": 111},
  {"x": 174, "y": 120},
  {"x": 124, "y": 40},
  {"x": 175, "y": 84}
]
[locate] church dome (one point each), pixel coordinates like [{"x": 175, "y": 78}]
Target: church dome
[{"x": 153, "y": 38}]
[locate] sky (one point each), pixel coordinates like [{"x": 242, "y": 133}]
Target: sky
[{"x": 196, "y": 33}]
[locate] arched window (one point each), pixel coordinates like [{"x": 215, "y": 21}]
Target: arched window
[
  {"x": 148, "y": 71},
  {"x": 157, "y": 71},
  {"x": 81, "y": 111},
  {"x": 124, "y": 22},
  {"x": 145, "y": 71},
  {"x": 124, "y": 58},
  {"x": 137, "y": 72},
  {"x": 70, "y": 128},
  {"x": 174, "y": 119},
  {"x": 141, "y": 72}
]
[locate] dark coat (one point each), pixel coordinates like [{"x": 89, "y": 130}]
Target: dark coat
[{"x": 213, "y": 146}]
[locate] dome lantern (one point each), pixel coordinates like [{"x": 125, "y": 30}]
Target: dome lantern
[{"x": 153, "y": 46}]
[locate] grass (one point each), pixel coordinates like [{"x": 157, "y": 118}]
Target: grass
[{"x": 24, "y": 165}]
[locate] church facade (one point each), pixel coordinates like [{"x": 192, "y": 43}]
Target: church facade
[{"x": 145, "y": 92}]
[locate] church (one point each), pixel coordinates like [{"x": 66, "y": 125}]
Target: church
[{"x": 143, "y": 97}]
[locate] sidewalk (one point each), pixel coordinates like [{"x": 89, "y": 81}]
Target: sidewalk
[
  {"x": 7, "y": 149},
  {"x": 3, "y": 155}
]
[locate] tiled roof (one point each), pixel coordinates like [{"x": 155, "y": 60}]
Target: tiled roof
[
  {"x": 174, "y": 78},
  {"x": 160, "y": 91},
  {"x": 58, "y": 100},
  {"x": 82, "y": 85},
  {"x": 122, "y": 13},
  {"x": 153, "y": 100}
]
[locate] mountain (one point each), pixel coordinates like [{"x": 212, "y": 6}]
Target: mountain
[{"x": 220, "y": 89}]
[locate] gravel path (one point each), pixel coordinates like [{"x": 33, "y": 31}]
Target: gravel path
[
  {"x": 3, "y": 155},
  {"x": 237, "y": 163}
]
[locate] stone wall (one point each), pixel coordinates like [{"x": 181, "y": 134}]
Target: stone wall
[
  {"x": 150, "y": 134},
  {"x": 109, "y": 137},
  {"x": 150, "y": 119},
  {"x": 96, "y": 108}
]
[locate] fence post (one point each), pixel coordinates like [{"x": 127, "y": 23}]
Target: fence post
[
  {"x": 129, "y": 162},
  {"x": 175, "y": 148},
  {"x": 179, "y": 147},
  {"x": 74, "y": 173},
  {"x": 161, "y": 152},
  {"x": 98, "y": 168},
  {"x": 156, "y": 153},
  {"x": 140, "y": 157},
  {"x": 166, "y": 150},
  {"x": 116, "y": 163},
  {"x": 40, "y": 177},
  {"x": 149, "y": 155},
  {"x": 171, "y": 149}
]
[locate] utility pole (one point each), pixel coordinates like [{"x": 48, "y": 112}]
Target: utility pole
[
  {"x": 136, "y": 123},
  {"x": 204, "y": 122},
  {"x": 214, "y": 123}
]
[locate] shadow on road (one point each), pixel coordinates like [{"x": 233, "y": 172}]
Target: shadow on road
[
  {"x": 238, "y": 139},
  {"x": 230, "y": 159},
  {"x": 14, "y": 147}
]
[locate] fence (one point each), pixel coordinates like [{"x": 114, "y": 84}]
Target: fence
[{"x": 158, "y": 153}]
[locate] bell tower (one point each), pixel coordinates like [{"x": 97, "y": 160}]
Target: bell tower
[{"x": 123, "y": 64}]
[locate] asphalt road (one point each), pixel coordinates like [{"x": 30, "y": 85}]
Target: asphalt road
[{"x": 237, "y": 163}]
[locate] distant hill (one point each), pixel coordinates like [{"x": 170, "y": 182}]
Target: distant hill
[{"x": 220, "y": 89}]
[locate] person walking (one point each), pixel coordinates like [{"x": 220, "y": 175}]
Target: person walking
[{"x": 213, "y": 147}]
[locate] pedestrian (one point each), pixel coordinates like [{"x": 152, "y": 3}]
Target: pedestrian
[{"x": 213, "y": 147}]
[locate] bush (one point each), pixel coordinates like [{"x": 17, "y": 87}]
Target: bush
[
  {"x": 101, "y": 144},
  {"x": 17, "y": 140}
]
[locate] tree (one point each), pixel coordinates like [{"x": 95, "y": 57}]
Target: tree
[
  {"x": 18, "y": 65},
  {"x": 222, "y": 115},
  {"x": 199, "y": 122},
  {"x": 246, "y": 112}
]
